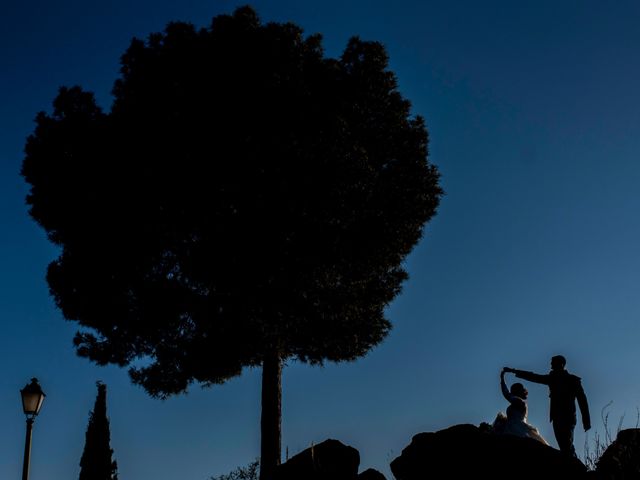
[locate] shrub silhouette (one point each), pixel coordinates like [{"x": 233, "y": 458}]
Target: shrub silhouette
[{"x": 250, "y": 472}]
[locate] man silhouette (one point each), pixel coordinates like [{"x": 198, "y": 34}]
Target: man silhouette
[{"x": 564, "y": 390}]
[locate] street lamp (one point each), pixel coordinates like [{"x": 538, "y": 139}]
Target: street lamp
[{"x": 32, "y": 398}]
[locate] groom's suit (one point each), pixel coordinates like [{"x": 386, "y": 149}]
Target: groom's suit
[{"x": 564, "y": 390}]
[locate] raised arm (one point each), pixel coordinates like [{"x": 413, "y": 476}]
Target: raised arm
[
  {"x": 505, "y": 391},
  {"x": 529, "y": 376}
]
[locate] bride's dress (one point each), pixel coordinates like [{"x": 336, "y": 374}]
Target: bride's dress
[{"x": 515, "y": 422}]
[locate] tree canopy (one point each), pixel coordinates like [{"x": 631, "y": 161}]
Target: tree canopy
[{"x": 244, "y": 196}]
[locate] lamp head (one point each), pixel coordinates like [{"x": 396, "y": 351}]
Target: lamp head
[{"x": 32, "y": 398}]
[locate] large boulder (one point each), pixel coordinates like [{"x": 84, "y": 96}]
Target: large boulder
[
  {"x": 329, "y": 460},
  {"x": 465, "y": 451},
  {"x": 621, "y": 459},
  {"x": 371, "y": 474}
]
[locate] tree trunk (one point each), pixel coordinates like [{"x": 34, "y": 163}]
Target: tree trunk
[{"x": 271, "y": 414}]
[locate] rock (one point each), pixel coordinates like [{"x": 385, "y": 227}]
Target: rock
[
  {"x": 465, "y": 451},
  {"x": 329, "y": 460},
  {"x": 621, "y": 459},
  {"x": 371, "y": 474}
]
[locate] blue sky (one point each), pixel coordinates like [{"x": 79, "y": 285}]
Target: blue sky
[{"x": 534, "y": 115}]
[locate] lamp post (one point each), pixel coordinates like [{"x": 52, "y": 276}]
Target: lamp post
[{"x": 32, "y": 398}]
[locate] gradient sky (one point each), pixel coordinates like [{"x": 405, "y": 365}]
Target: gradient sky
[{"x": 533, "y": 109}]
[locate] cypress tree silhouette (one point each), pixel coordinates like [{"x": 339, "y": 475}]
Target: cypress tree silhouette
[
  {"x": 96, "y": 462},
  {"x": 245, "y": 201}
]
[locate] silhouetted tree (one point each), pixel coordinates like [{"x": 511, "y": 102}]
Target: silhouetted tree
[
  {"x": 245, "y": 201},
  {"x": 96, "y": 462}
]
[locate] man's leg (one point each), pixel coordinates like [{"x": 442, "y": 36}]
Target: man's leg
[{"x": 564, "y": 436}]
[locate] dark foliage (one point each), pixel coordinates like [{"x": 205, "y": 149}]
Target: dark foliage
[
  {"x": 250, "y": 472},
  {"x": 96, "y": 462},
  {"x": 243, "y": 192},
  {"x": 244, "y": 198},
  {"x": 621, "y": 459}
]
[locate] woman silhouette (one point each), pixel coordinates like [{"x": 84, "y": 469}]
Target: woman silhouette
[{"x": 515, "y": 423}]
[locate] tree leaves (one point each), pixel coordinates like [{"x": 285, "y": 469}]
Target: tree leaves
[{"x": 244, "y": 193}]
